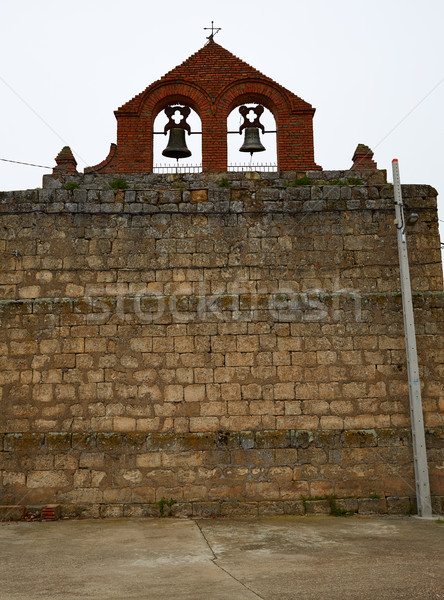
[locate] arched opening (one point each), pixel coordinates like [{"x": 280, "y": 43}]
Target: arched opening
[
  {"x": 242, "y": 160},
  {"x": 184, "y": 116}
]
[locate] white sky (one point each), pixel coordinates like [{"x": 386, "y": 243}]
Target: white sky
[{"x": 374, "y": 72}]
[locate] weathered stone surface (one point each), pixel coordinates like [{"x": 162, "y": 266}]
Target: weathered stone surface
[
  {"x": 233, "y": 509},
  {"x": 203, "y": 343},
  {"x": 399, "y": 505},
  {"x": 12, "y": 513},
  {"x": 317, "y": 507},
  {"x": 47, "y": 479},
  {"x": 369, "y": 506},
  {"x": 293, "y": 507},
  {"x": 206, "y": 509},
  {"x": 349, "y": 505}
]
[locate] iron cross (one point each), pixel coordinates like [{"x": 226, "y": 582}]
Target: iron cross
[{"x": 214, "y": 30}]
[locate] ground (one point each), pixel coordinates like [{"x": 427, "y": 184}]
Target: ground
[{"x": 271, "y": 558}]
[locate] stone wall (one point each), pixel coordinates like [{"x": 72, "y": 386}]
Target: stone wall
[{"x": 233, "y": 342}]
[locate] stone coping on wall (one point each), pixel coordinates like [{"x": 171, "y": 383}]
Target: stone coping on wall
[
  {"x": 233, "y": 179},
  {"x": 229, "y": 201}
]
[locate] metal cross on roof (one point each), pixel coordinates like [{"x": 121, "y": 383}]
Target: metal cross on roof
[{"x": 214, "y": 30}]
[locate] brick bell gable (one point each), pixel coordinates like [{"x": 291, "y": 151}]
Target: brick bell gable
[{"x": 213, "y": 82}]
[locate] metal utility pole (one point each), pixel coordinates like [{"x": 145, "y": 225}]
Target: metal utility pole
[{"x": 418, "y": 434}]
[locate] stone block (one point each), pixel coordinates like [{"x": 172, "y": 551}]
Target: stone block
[
  {"x": 295, "y": 488},
  {"x": 23, "y": 442},
  {"x": 58, "y": 441},
  {"x": 14, "y": 478},
  {"x": 268, "y": 508},
  {"x": 330, "y": 422},
  {"x": 114, "y": 495},
  {"x": 247, "y": 343},
  {"x": 148, "y": 459},
  {"x": 112, "y": 511},
  {"x": 134, "y": 511},
  {"x": 199, "y": 196},
  {"x": 181, "y": 459},
  {"x": 317, "y": 507},
  {"x": 284, "y": 391},
  {"x": 133, "y": 476},
  {"x": 272, "y": 439},
  {"x": 66, "y": 461},
  {"x": 32, "y": 291},
  {"x": 174, "y": 393},
  {"x": 143, "y": 494},
  {"x": 350, "y": 505},
  {"x": 293, "y": 507},
  {"x": 43, "y": 462},
  {"x": 92, "y": 460},
  {"x": 47, "y": 479},
  {"x": 181, "y": 510},
  {"x": 204, "y": 424},
  {"x": 84, "y": 441},
  {"x": 124, "y": 424},
  {"x": 359, "y": 438},
  {"x": 372, "y": 506},
  {"x": 12, "y": 513},
  {"x": 239, "y": 509},
  {"x": 400, "y": 505},
  {"x": 194, "y": 393},
  {"x": 206, "y": 509},
  {"x": 43, "y": 393},
  {"x": 239, "y": 359}
]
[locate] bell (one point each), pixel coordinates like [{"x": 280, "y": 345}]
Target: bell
[
  {"x": 252, "y": 142},
  {"x": 177, "y": 146}
]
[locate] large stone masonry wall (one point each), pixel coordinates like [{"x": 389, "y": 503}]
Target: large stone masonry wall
[{"x": 231, "y": 341}]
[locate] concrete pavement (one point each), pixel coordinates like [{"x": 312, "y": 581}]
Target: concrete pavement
[{"x": 271, "y": 558}]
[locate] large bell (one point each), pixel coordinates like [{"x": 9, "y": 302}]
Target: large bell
[
  {"x": 252, "y": 142},
  {"x": 177, "y": 146}
]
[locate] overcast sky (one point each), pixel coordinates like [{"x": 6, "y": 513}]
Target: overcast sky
[{"x": 374, "y": 72}]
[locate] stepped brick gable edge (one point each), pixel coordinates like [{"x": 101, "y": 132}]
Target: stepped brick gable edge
[{"x": 213, "y": 82}]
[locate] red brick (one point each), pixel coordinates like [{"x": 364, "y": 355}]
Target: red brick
[{"x": 212, "y": 82}]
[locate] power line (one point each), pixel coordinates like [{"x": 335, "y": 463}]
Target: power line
[
  {"x": 409, "y": 113},
  {"x": 18, "y": 162}
]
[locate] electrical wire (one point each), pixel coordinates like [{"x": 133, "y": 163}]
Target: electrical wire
[{"x": 18, "y": 162}]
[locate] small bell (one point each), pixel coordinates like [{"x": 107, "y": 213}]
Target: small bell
[
  {"x": 177, "y": 146},
  {"x": 252, "y": 142}
]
